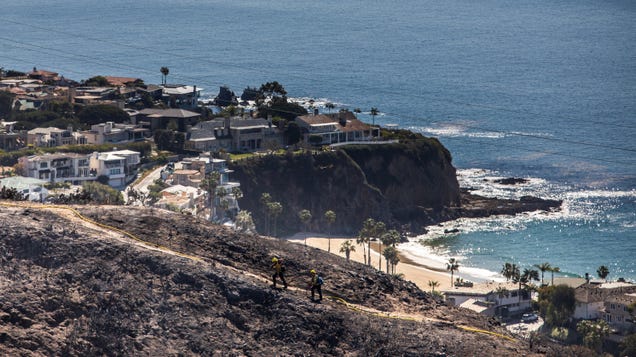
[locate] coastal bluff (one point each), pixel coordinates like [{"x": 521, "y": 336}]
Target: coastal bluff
[{"x": 406, "y": 185}]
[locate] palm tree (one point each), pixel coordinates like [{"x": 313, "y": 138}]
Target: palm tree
[
  {"x": 390, "y": 257},
  {"x": 452, "y": 266},
  {"x": 265, "y": 200},
  {"x": 509, "y": 271},
  {"x": 552, "y": 271},
  {"x": 330, "y": 217},
  {"x": 543, "y": 267},
  {"x": 394, "y": 259},
  {"x": 209, "y": 184},
  {"x": 305, "y": 218},
  {"x": 347, "y": 247},
  {"x": 374, "y": 112},
  {"x": 602, "y": 272},
  {"x": 433, "y": 284},
  {"x": 221, "y": 193},
  {"x": 244, "y": 222},
  {"x": 330, "y": 106},
  {"x": 525, "y": 278},
  {"x": 275, "y": 209},
  {"x": 389, "y": 238},
  {"x": 364, "y": 236},
  {"x": 164, "y": 72}
]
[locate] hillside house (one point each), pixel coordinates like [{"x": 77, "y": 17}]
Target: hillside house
[
  {"x": 181, "y": 96},
  {"x": 52, "y": 137},
  {"x": 60, "y": 167},
  {"x": 119, "y": 166},
  {"x": 11, "y": 139},
  {"x": 616, "y": 312},
  {"x": 182, "y": 198},
  {"x": 336, "y": 128},
  {"x": 43, "y": 75},
  {"x": 591, "y": 297},
  {"x": 32, "y": 188},
  {"x": 110, "y": 132},
  {"x": 491, "y": 298},
  {"x": 236, "y": 134},
  {"x": 161, "y": 119}
]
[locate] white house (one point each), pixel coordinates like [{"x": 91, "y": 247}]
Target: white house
[
  {"x": 32, "y": 188},
  {"x": 51, "y": 137},
  {"x": 59, "y": 167},
  {"x": 592, "y": 297},
  {"x": 491, "y": 298},
  {"x": 336, "y": 128},
  {"x": 119, "y": 166},
  {"x": 184, "y": 198},
  {"x": 110, "y": 132}
]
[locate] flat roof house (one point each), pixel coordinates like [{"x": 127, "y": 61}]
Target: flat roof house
[{"x": 492, "y": 298}]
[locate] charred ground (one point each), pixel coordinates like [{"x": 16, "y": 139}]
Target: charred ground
[{"x": 69, "y": 287}]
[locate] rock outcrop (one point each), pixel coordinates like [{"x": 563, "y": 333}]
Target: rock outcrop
[{"x": 407, "y": 186}]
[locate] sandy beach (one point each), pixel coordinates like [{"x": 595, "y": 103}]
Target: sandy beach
[{"x": 412, "y": 272}]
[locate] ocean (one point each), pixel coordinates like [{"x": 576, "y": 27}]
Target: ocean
[{"x": 543, "y": 90}]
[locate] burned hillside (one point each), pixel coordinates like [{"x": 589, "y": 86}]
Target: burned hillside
[{"x": 152, "y": 282}]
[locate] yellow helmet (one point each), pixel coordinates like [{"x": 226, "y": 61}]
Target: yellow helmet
[
  {"x": 274, "y": 260},
  {"x": 312, "y": 271}
]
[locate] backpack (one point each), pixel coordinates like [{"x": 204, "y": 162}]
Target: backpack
[{"x": 320, "y": 280}]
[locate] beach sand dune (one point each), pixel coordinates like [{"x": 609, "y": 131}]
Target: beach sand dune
[{"x": 411, "y": 270}]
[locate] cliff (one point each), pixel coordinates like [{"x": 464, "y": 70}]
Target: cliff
[
  {"x": 148, "y": 282},
  {"x": 408, "y": 186}
]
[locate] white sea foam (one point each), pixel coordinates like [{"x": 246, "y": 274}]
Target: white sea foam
[
  {"x": 425, "y": 256},
  {"x": 580, "y": 206}
]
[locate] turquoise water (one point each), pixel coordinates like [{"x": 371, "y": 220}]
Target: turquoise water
[{"x": 538, "y": 89}]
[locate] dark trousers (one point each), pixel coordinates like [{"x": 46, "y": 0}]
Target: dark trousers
[
  {"x": 282, "y": 278},
  {"x": 317, "y": 288}
]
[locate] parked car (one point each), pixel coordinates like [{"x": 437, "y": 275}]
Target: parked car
[{"x": 529, "y": 318}]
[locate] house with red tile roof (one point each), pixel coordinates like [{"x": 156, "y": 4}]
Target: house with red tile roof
[
  {"x": 120, "y": 81},
  {"x": 336, "y": 128},
  {"x": 43, "y": 75}
]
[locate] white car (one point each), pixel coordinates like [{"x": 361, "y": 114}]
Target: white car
[{"x": 529, "y": 318}]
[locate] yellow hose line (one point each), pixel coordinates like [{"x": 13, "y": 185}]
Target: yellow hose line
[
  {"x": 472, "y": 329},
  {"x": 197, "y": 259},
  {"x": 105, "y": 226},
  {"x": 386, "y": 315},
  {"x": 372, "y": 313}
]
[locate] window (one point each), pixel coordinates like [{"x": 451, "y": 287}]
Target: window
[
  {"x": 115, "y": 171},
  {"x": 43, "y": 165}
]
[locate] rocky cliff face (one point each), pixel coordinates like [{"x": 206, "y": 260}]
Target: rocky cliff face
[{"x": 397, "y": 183}]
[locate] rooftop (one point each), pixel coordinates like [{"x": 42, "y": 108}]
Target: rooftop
[{"x": 169, "y": 113}]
